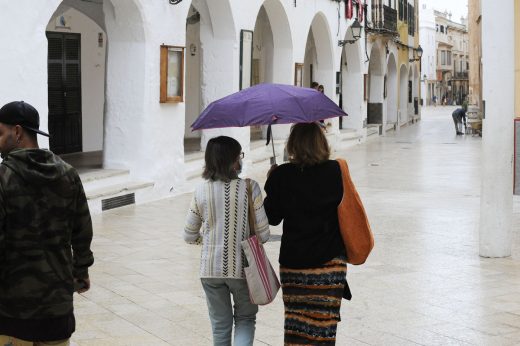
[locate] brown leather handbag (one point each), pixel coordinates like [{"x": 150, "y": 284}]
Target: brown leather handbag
[{"x": 353, "y": 222}]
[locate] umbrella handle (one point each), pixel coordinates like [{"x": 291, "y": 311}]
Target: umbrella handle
[{"x": 269, "y": 138}]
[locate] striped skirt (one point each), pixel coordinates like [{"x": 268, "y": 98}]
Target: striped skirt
[{"x": 312, "y": 299}]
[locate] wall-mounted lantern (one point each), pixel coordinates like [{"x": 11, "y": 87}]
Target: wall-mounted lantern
[
  {"x": 356, "y": 33},
  {"x": 419, "y": 54}
]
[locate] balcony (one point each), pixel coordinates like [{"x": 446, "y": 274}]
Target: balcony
[
  {"x": 384, "y": 17},
  {"x": 460, "y": 75}
]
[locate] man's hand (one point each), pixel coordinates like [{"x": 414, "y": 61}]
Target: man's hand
[{"x": 81, "y": 285}]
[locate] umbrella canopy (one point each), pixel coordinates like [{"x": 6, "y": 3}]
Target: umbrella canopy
[{"x": 268, "y": 104}]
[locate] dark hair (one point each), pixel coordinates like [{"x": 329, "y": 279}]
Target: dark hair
[
  {"x": 307, "y": 145},
  {"x": 314, "y": 85},
  {"x": 321, "y": 88},
  {"x": 221, "y": 154}
]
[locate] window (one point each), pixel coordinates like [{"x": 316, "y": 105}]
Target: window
[
  {"x": 401, "y": 9},
  {"x": 172, "y": 74},
  {"x": 442, "y": 29},
  {"x": 411, "y": 20},
  {"x": 448, "y": 60},
  {"x": 443, "y": 57}
]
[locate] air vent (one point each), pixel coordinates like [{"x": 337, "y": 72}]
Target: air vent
[{"x": 116, "y": 202}]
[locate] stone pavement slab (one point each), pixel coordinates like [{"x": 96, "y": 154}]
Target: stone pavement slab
[{"x": 424, "y": 284}]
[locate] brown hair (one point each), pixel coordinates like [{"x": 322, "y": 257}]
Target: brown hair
[
  {"x": 307, "y": 145},
  {"x": 221, "y": 155}
]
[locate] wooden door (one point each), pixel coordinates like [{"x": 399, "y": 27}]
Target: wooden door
[{"x": 64, "y": 92}]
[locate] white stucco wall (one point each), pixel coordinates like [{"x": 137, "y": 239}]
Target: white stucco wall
[
  {"x": 92, "y": 74},
  {"x": 146, "y": 137},
  {"x": 23, "y": 63},
  {"x": 391, "y": 89},
  {"x": 496, "y": 203},
  {"x": 192, "y": 96}
]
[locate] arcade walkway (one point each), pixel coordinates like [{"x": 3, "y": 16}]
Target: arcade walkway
[{"x": 424, "y": 284}]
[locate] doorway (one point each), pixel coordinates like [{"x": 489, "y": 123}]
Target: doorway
[{"x": 64, "y": 92}]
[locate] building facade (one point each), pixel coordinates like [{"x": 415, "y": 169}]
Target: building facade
[
  {"x": 452, "y": 59},
  {"x": 475, "y": 53},
  {"x": 126, "y": 78},
  {"x": 428, "y": 33}
]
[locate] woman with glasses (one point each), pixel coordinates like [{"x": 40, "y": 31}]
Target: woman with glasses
[{"x": 218, "y": 218}]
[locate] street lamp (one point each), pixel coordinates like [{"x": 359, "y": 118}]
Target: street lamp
[
  {"x": 419, "y": 54},
  {"x": 356, "y": 33}
]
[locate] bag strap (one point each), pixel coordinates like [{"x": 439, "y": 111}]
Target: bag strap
[{"x": 251, "y": 208}]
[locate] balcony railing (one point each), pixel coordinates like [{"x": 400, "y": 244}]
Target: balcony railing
[
  {"x": 384, "y": 17},
  {"x": 460, "y": 75}
]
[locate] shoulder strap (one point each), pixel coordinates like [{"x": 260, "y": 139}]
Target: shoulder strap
[{"x": 251, "y": 208}]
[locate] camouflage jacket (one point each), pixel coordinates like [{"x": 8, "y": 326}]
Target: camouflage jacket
[{"x": 45, "y": 235}]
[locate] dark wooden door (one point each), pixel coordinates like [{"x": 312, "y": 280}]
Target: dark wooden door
[{"x": 64, "y": 87}]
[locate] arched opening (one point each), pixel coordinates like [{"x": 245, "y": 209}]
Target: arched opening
[
  {"x": 410, "y": 93},
  {"x": 351, "y": 78},
  {"x": 403, "y": 95},
  {"x": 272, "y": 54},
  {"x": 212, "y": 66},
  {"x": 391, "y": 90},
  {"x": 193, "y": 97},
  {"x": 375, "y": 87},
  {"x": 125, "y": 83},
  {"x": 76, "y": 63},
  {"x": 416, "y": 89},
  {"x": 318, "y": 61}
]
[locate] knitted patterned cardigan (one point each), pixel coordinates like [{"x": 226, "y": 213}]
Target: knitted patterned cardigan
[{"x": 218, "y": 218}]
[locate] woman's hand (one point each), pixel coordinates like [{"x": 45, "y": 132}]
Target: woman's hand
[{"x": 273, "y": 167}]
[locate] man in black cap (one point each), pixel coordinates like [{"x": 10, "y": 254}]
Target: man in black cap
[{"x": 45, "y": 235}]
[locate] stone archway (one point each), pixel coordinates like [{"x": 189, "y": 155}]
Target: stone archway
[
  {"x": 403, "y": 95},
  {"x": 76, "y": 41},
  {"x": 210, "y": 29},
  {"x": 272, "y": 55},
  {"x": 410, "y": 89},
  {"x": 351, "y": 78},
  {"x": 375, "y": 112},
  {"x": 391, "y": 90},
  {"x": 416, "y": 99},
  {"x": 319, "y": 57}
]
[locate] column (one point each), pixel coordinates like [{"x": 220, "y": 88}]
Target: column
[{"x": 496, "y": 207}]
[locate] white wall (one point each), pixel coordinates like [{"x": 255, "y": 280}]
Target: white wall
[
  {"x": 141, "y": 134},
  {"x": 403, "y": 94},
  {"x": 352, "y": 92},
  {"x": 391, "y": 89},
  {"x": 427, "y": 37},
  {"x": 23, "y": 66},
  {"x": 192, "y": 96},
  {"x": 92, "y": 74},
  {"x": 496, "y": 203}
]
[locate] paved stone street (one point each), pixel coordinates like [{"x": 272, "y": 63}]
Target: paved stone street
[{"x": 424, "y": 284}]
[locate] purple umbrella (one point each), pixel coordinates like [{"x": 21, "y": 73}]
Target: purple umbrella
[{"x": 268, "y": 104}]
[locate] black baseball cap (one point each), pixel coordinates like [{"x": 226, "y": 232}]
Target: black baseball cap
[{"x": 23, "y": 114}]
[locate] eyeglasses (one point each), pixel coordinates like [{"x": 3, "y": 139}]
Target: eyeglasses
[{"x": 241, "y": 155}]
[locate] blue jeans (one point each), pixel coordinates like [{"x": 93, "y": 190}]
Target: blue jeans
[{"x": 222, "y": 313}]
